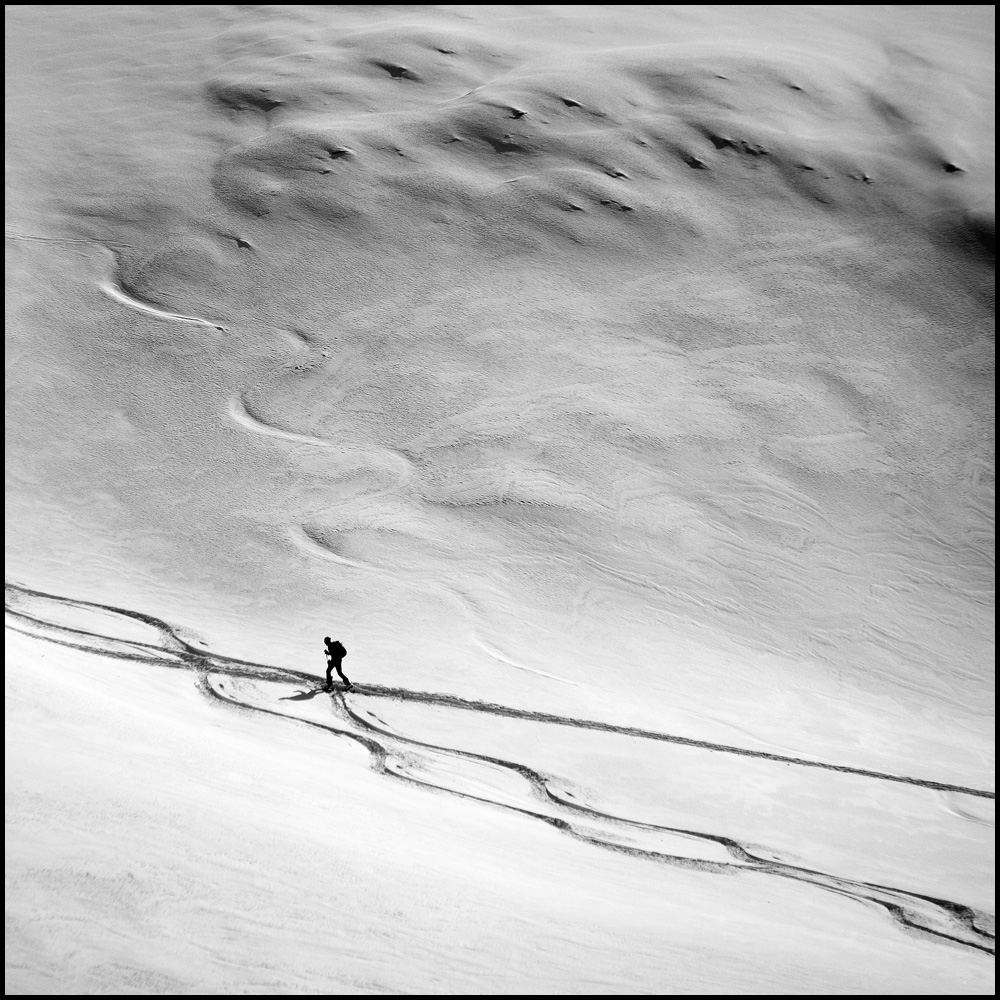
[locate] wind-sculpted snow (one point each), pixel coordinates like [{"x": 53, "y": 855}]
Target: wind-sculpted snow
[
  {"x": 119, "y": 294},
  {"x": 457, "y": 759}
]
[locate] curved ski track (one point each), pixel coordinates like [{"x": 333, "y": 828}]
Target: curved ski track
[{"x": 240, "y": 684}]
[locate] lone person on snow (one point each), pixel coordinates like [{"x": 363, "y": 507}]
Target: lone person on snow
[{"x": 335, "y": 653}]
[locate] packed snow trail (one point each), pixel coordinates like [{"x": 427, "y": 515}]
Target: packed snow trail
[
  {"x": 191, "y": 656},
  {"x": 500, "y": 782}
]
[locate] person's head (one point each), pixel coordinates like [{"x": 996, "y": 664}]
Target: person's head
[{"x": 326, "y": 640}]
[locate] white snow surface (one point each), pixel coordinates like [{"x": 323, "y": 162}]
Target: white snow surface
[{"x": 616, "y": 384}]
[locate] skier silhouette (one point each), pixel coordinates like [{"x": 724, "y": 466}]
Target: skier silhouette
[{"x": 335, "y": 653}]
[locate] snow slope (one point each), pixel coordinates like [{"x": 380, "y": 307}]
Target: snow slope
[
  {"x": 567, "y": 856},
  {"x": 616, "y": 383}
]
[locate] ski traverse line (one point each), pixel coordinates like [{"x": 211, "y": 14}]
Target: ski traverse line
[
  {"x": 910, "y": 910},
  {"x": 938, "y": 918},
  {"x": 183, "y": 653},
  {"x": 465, "y": 704}
]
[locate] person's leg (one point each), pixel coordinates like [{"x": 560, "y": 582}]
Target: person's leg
[
  {"x": 343, "y": 676},
  {"x": 329, "y": 675}
]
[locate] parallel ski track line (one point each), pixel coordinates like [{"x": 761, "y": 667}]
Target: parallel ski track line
[
  {"x": 202, "y": 658},
  {"x": 888, "y": 898},
  {"x": 185, "y": 656},
  {"x": 452, "y": 701}
]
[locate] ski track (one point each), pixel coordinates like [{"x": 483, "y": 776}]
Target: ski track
[{"x": 515, "y": 787}]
